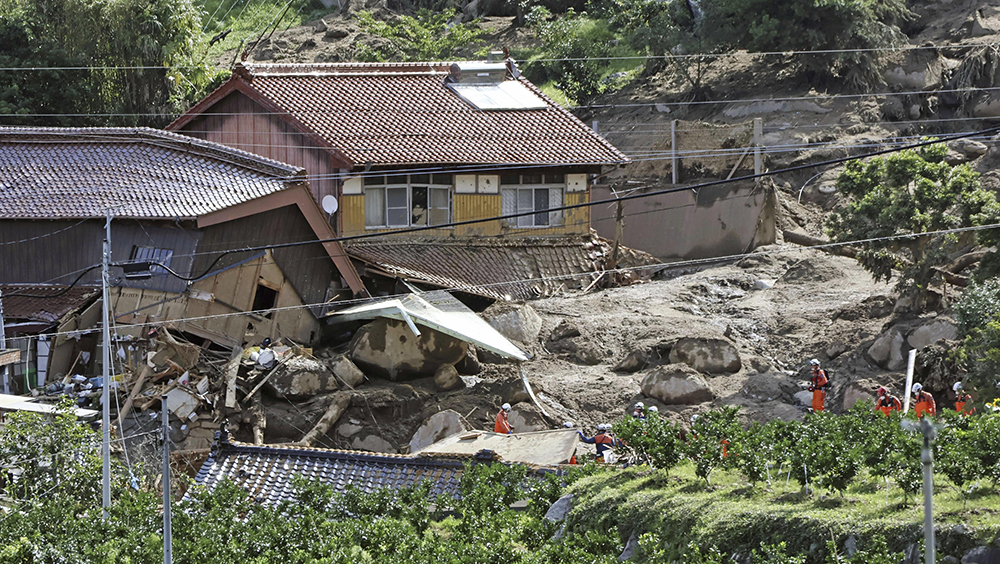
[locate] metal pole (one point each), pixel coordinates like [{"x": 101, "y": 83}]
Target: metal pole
[
  {"x": 758, "y": 129},
  {"x": 927, "y": 458},
  {"x": 106, "y": 374},
  {"x": 674, "y": 163},
  {"x": 3, "y": 345},
  {"x": 168, "y": 542}
]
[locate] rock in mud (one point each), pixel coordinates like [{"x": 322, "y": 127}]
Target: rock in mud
[
  {"x": 805, "y": 397},
  {"x": 859, "y": 390},
  {"x": 346, "y": 371},
  {"x": 633, "y": 362},
  {"x": 930, "y": 333},
  {"x": 519, "y": 322},
  {"x": 436, "y": 427},
  {"x": 982, "y": 555},
  {"x": 565, "y": 330},
  {"x": 388, "y": 348},
  {"x": 836, "y": 349},
  {"x": 712, "y": 356},
  {"x": 579, "y": 351},
  {"x": 469, "y": 365},
  {"x": 446, "y": 378},
  {"x": 526, "y": 417},
  {"x": 770, "y": 387},
  {"x": 675, "y": 384},
  {"x": 887, "y": 350},
  {"x": 302, "y": 377}
]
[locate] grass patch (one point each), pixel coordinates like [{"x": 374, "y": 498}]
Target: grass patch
[{"x": 737, "y": 517}]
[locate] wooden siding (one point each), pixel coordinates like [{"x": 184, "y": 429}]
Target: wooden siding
[
  {"x": 474, "y": 206},
  {"x": 239, "y": 122},
  {"x": 307, "y": 266},
  {"x": 352, "y": 215},
  {"x": 46, "y": 250}
]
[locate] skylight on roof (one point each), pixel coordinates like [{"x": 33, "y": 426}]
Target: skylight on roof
[{"x": 506, "y": 95}]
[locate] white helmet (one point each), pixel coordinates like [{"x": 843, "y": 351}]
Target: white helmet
[
  {"x": 916, "y": 388},
  {"x": 505, "y": 407},
  {"x": 602, "y": 427},
  {"x": 694, "y": 418},
  {"x": 957, "y": 386},
  {"x": 654, "y": 409},
  {"x": 639, "y": 405},
  {"x": 814, "y": 362},
  {"x": 568, "y": 424}
]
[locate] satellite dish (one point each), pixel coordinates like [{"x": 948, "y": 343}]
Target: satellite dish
[{"x": 330, "y": 204}]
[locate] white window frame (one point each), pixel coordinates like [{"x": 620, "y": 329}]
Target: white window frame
[
  {"x": 553, "y": 219},
  {"x": 153, "y": 254},
  {"x": 409, "y": 185}
]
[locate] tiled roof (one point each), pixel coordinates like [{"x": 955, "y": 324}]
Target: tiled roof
[
  {"x": 53, "y": 173},
  {"x": 48, "y": 310},
  {"x": 403, "y": 114},
  {"x": 266, "y": 472},
  {"x": 505, "y": 268}
]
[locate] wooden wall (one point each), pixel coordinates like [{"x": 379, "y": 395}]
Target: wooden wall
[{"x": 239, "y": 122}]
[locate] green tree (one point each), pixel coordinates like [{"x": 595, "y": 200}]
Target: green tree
[
  {"x": 655, "y": 440},
  {"x": 428, "y": 36},
  {"x": 715, "y": 441},
  {"x": 910, "y": 193},
  {"x": 978, "y": 312}
]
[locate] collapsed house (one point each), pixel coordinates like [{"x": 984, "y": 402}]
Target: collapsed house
[
  {"x": 414, "y": 145},
  {"x": 177, "y": 204}
]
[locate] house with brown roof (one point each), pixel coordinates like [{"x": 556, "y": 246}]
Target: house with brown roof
[
  {"x": 417, "y": 145},
  {"x": 178, "y": 204}
]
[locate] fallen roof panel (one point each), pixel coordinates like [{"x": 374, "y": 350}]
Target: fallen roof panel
[
  {"x": 540, "y": 448},
  {"x": 21, "y": 403},
  {"x": 439, "y": 311}
]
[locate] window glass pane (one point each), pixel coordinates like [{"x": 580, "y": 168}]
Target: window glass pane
[
  {"x": 555, "y": 201},
  {"x": 396, "y": 197},
  {"x": 397, "y": 217},
  {"x": 440, "y": 206},
  {"x": 531, "y": 179},
  {"x": 419, "y": 203},
  {"x": 525, "y": 203},
  {"x": 377, "y": 180},
  {"x": 555, "y": 178},
  {"x": 398, "y": 179},
  {"x": 374, "y": 207},
  {"x": 445, "y": 179},
  {"x": 439, "y": 198},
  {"x": 541, "y": 203},
  {"x": 510, "y": 179},
  {"x": 438, "y": 216},
  {"x": 508, "y": 205},
  {"x": 420, "y": 179}
]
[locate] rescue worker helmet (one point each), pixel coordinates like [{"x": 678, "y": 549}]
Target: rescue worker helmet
[
  {"x": 814, "y": 362},
  {"x": 505, "y": 407},
  {"x": 654, "y": 409},
  {"x": 881, "y": 391},
  {"x": 639, "y": 405},
  {"x": 957, "y": 386},
  {"x": 916, "y": 388}
]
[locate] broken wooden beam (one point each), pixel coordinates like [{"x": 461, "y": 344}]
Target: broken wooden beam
[
  {"x": 338, "y": 405},
  {"x": 231, "y": 371},
  {"x": 810, "y": 241},
  {"x": 136, "y": 389}
]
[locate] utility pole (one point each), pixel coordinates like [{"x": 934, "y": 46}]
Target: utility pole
[
  {"x": 168, "y": 541},
  {"x": 106, "y": 374},
  {"x": 3, "y": 346}
]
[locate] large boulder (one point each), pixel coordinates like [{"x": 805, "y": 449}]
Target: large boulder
[
  {"x": 346, "y": 371},
  {"x": 859, "y": 390},
  {"x": 887, "y": 350},
  {"x": 805, "y": 397},
  {"x": 982, "y": 555},
  {"x": 302, "y": 377},
  {"x": 525, "y": 417},
  {"x": 469, "y": 365},
  {"x": 633, "y": 362},
  {"x": 769, "y": 387},
  {"x": 708, "y": 355},
  {"x": 676, "y": 384},
  {"x": 436, "y": 427},
  {"x": 518, "y": 322},
  {"x": 388, "y": 348},
  {"x": 967, "y": 149},
  {"x": 932, "y": 332}
]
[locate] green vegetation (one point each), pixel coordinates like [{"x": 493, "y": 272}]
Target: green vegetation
[
  {"x": 428, "y": 36},
  {"x": 979, "y": 327},
  {"x": 911, "y": 192},
  {"x": 139, "y": 75}
]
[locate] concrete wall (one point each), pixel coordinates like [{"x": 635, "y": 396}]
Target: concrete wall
[{"x": 716, "y": 221}]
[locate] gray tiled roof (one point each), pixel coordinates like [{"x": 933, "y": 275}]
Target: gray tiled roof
[
  {"x": 59, "y": 173},
  {"x": 266, "y": 472}
]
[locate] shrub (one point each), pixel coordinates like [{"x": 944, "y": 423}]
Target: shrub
[{"x": 428, "y": 36}]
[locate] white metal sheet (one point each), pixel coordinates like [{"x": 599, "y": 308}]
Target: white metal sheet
[{"x": 506, "y": 95}]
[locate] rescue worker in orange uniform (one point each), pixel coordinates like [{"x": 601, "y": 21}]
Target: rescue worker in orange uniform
[
  {"x": 963, "y": 401},
  {"x": 603, "y": 441},
  {"x": 886, "y": 402},
  {"x": 924, "y": 402},
  {"x": 501, "y": 425},
  {"x": 817, "y": 385}
]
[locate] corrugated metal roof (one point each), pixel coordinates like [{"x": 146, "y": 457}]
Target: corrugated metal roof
[
  {"x": 57, "y": 173},
  {"x": 393, "y": 114},
  {"x": 47, "y": 310}
]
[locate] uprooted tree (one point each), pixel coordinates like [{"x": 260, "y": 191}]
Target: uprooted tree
[{"x": 899, "y": 203}]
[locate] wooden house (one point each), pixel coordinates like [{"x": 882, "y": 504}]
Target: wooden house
[
  {"x": 414, "y": 145},
  {"x": 178, "y": 202}
]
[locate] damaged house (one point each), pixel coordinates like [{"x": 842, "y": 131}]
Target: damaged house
[
  {"x": 178, "y": 204},
  {"x": 393, "y": 146}
]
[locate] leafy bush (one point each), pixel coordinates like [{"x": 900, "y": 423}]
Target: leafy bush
[
  {"x": 911, "y": 192},
  {"x": 715, "y": 441},
  {"x": 979, "y": 326},
  {"x": 428, "y": 36},
  {"x": 655, "y": 441}
]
